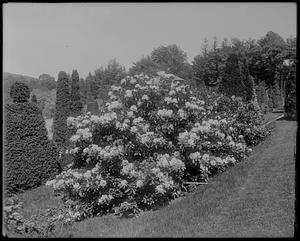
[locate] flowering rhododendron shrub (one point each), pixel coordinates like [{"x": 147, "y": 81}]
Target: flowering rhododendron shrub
[{"x": 154, "y": 135}]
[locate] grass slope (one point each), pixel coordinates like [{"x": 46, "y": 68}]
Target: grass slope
[{"x": 255, "y": 198}]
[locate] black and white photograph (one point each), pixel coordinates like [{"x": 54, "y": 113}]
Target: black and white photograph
[{"x": 149, "y": 119}]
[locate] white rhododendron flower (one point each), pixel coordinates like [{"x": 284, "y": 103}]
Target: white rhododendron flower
[
  {"x": 195, "y": 156},
  {"x": 134, "y": 129},
  {"x": 123, "y": 184},
  {"x": 160, "y": 189},
  {"x": 105, "y": 198},
  {"x": 132, "y": 81},
  {"x": 133, "y": 108},
  {"x": 205, "y": 157},
  {"x": 130, "y": 114},
  {"x": 137, "y": 120},
  {"x": 165, "y": 113},
  {"x": 177, "y": 164},
  {"x": 102, "y": 183},
  {"x": 172, "y": 92},
  {"x": 128, "y": 93},
  {"x": 114, "y": 105},
  {"x": 182, "y": 114},
  {"x": 123, "y": 81},
  {"x": 139, "y": 183},
  {"x": 145, "y": 97},
  {"x": 116, "y": 88}
]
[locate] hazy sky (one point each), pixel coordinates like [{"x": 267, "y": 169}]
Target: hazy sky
[{"x": 50, "y": 37}]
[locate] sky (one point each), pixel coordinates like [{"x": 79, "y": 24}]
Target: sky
[{"x": 50, "y": 37}]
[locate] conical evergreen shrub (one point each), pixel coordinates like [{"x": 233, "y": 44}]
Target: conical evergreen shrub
[
  {"x": 62, "y": 110},
  {"x": 30, "y": 158},
  {"x": 75, "y": 102},
  {"x": 232, "y": 81}
]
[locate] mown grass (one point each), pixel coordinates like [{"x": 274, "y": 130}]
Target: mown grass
[{"x": 255, "y": 198}]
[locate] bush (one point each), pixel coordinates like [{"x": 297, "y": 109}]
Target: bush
[
  {"x": 19, "y": 92},
  {"x": 62, "y": 109},
  {"x": 33, "y": 99},
  {"x": 43, "y": 225},
  {"x": 232, "y": 81},
  {"x": 153, "y": 137},
  {"x": 290, "y": 97},
  {"x": 248, "y": 118},
  {"x": 75, "y": 102},
  {"x": 30, "y": 158}
]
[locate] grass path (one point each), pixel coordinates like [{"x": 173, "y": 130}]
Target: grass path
[{"x": 255, "y": 198}]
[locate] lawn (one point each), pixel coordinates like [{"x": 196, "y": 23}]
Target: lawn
[{"x": 255, "y": 198}]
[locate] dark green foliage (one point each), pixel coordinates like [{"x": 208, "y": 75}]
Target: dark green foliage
[
  {"x": 83, "y": 90},
  {"x": 232, "y": 81},
  {"x": 249, "y": 88},
  {"x": 172, "y": 59},
  {"x": 75, "y": 101},
  {"x": 290, "y": 96},
  {"x": 92, "y": 85},
  {"x": 146, "y": 66},
  {"x": 92, "y": 106},
  {"x": 110, "y": 75},
  {"x": 47, "y": 81},
  {"x": 247, "y": 81},
  {"x": 276, "y": 95},
  {"x": 62, "y": 108},
  {"x": 19, "y": 92},
  {"x": 30, "y": 158},
  {"x": 33, "y": 99},
  {"x": 262, "y": 97}
]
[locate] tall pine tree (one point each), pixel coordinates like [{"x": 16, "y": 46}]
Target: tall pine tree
[
  {"x": 33, "y": 99},
  {"x": 62, "y": 108},
  {"x": 75, "y": 101},
  {"x": 248, "y": 82},
  {"x": 232, "y": 81}
]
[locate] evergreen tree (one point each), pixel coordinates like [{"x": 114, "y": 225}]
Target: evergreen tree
[
  {"x": 33, "y": 99},
  {"x": 232, "y": 81},
  {"x": 19, "y": 92},
  {"x": 248, "y": 82},
  {"x": 93, "y": 107},
  {"x": 92, "y": 85},
  {"x": 30, "y": 158},
  {"x": 75, "y": 101},
  {"x": 290, "y": 94},
  {"x": 62, "y": 107}
]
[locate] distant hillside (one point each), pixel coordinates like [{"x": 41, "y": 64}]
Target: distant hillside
[{"x": 44, "y": 83}]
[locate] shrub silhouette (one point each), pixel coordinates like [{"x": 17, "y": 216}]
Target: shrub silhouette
[
  {"x": 30, "y": 158},
  {"x": 62, "y": 110},
  {"x": 75, "y": 101},
  {"x": 19, "y": 92}
]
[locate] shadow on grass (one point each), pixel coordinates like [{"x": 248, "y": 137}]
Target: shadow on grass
[{"x": 286, "y": 118}]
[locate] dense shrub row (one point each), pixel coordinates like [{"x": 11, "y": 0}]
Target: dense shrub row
[
  {"x": 30, "y": 158},
  {"x": 154, "y": 136}
]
